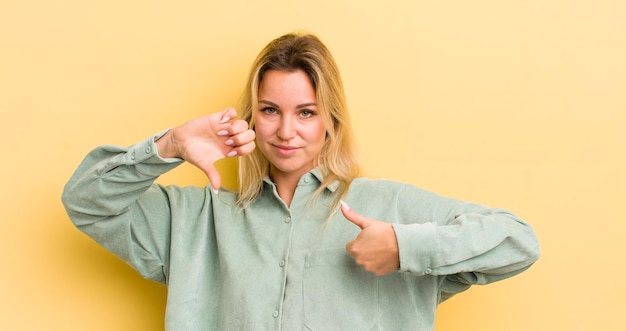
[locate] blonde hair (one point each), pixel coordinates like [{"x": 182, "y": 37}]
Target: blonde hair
[{"x": 337, "y": 160}]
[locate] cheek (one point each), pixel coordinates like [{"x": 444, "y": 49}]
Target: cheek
[
  {"x": 262, "y": 131},
  {"x": 317, "y": 134}
]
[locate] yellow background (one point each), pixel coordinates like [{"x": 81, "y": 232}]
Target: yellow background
[{"x": 514, "y": 104}]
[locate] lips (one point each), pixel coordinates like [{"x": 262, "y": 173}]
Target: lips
[{"x": 285, "y": 150}]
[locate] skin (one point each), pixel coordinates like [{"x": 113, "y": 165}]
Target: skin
[
  {"x": 289, "y": 129},
  {"x": 376, "y": 247},
  {"x": 290, "y": 133},
  {"x": 207, "y": 139}
]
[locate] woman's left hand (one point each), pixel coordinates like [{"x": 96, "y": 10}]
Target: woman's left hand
[{"x": 376, "y": 246}]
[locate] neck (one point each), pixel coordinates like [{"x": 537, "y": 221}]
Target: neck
[{"x": 286, "y": 184}]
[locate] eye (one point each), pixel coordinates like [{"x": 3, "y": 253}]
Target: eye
[
  {"x": 269, "y": 110},
  {"x": 306, "y": 113}
]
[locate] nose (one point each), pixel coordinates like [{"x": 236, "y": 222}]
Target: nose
[{"x": 287, "y": 128}]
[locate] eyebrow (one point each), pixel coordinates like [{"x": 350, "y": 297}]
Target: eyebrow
[{"x": 308, "y": 104}]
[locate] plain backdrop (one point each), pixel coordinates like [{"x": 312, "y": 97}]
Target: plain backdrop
[{"x": 512, "y": 104}]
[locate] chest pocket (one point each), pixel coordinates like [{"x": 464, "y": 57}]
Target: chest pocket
[{"x": 338, "y": 293}]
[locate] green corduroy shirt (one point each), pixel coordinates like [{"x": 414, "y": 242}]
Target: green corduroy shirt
[{"x": 273, "y": 267}]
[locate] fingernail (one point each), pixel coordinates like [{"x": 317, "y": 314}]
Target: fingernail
[
  {"x": 216, "y": 191},
  {"x": 229, "y": 142},
  {"x": 225, "y": 119},
  {"x": 345, "y": 205},
  {"x": 232, "y": 153},
  {"x": 222, "y": 133}
]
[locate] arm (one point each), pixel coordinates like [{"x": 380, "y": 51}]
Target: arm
[
  {"x": 463, "y": 242},
  {"x": 111, "y": 196},
  {"x": 455, "y": 237},
  {"x": 433, "y": 235}
]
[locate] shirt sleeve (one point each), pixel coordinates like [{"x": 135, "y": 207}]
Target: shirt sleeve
[
  {"x": 463, "y": 242},
  {"x": 113, "y": 199}
]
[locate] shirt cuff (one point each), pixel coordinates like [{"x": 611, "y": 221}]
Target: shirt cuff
[
  {"x": 417, "y": 247},
  {"x": 145, "y": 156}
]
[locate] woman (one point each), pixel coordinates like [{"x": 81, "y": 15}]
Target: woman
[{"x": 278, "y": 254}]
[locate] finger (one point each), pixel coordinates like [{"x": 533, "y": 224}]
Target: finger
[
  {"x": 241, "y": 139},
  {"x": 246, "y": 149},
  {"x": 227, "y": 115},
  {"x": 242, "y": 150},
  {"x": 349, "y": 248},
  {"x": 222, "y": 121},
  {"x": 238, "y": 126},
  {"x": 213, "y": 175},
  {"x": 229, "y": 129},
  {"x": 353, "y": 216}
]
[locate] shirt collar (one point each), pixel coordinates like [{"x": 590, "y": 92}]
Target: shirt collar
[
  {"x": 317, "y": 173},
  {"x": 313, "y": 173}
]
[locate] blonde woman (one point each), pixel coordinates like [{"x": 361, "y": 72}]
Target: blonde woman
[{"x": 304, "y": 244}]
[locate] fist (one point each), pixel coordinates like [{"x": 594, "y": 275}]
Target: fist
[
  {"x": 203, "y": 141},
  {"x": 375, "y": 248}
]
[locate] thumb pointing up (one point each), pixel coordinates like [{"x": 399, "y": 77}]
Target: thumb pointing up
[
  {"x": 354, "y": 217},
  {"x": 375, "y": 248}
]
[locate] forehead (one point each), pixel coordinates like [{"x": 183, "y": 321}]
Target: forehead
[{"x": 286, "y": 87}]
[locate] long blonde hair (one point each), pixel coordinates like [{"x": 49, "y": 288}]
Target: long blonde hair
[{"x": 337, "y": 160}]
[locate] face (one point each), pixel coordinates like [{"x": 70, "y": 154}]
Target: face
[{"x": 289, "y": 129}]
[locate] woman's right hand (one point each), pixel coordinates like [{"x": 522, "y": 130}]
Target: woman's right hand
[{"x": 206, "y": 139}]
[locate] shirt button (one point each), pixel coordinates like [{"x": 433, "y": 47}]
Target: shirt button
[
  {"x": 428, "y": 270},
  {"x": 306, "y": 179},
  {"x": 132, "y": 156},
  {"x": 148, "y": 150},
  {"x": 275, "y": 314},
  {"x": 282, "y": 263},
  {"x": 288, "y": 219}
]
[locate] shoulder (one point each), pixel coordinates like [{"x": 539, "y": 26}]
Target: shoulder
[{"x": 380, "y": 187}]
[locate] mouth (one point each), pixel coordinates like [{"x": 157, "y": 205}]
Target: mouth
[{"x": 285, "y": 150}]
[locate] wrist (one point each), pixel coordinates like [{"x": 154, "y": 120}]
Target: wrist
[{"x": 165, "y": 147}]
